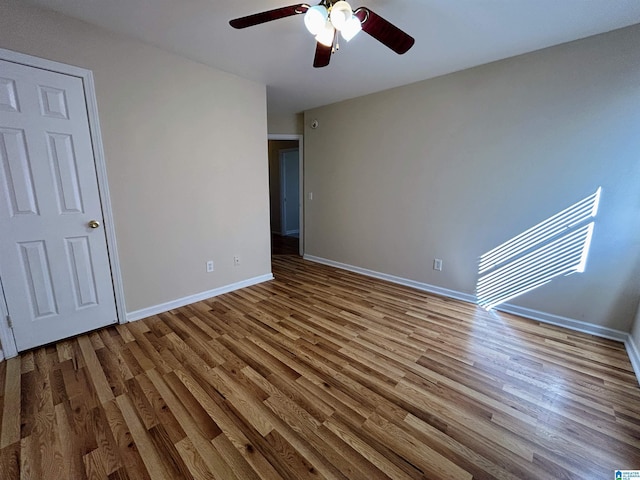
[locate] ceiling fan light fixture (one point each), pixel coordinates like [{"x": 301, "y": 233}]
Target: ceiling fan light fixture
[
  {"x": 351, "y": 28},
  {"x": 315, "y": 19},
  {"x": 341, "y": 13},
  {"x": 326, "y": 35},
  {"x": 329, "y": 17}
]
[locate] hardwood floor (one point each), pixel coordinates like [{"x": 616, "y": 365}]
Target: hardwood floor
[
  {"x": 284, "y": 245},
  {"x": 319, "y": 374}
]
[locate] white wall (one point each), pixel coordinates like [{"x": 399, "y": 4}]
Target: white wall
[
  {"x": 453, "y": 166},
  {"x": 186, "y": 156}
]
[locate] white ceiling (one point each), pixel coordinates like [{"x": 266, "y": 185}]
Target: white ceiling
[{"x": 450, "y": 35}]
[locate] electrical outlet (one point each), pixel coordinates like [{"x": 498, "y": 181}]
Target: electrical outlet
[
  {"x": 210, "y": 266},
  {"x": 437, "y": 264},
  {"x": 236, "y": 260}
]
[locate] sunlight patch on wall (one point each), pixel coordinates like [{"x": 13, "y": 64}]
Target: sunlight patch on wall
[{"x": 556, "y": 246}]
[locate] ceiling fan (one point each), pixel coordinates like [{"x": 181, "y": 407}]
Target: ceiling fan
[{"x": 328, "y": 18}]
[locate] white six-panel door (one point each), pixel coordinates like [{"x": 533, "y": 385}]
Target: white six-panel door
[{"x": 54, "y": 266}]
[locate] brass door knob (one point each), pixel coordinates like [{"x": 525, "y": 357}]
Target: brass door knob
[{"x": 94, "y": 224}]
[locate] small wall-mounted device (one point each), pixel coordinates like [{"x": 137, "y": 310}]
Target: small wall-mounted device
[{"x": 315, "y": 123}]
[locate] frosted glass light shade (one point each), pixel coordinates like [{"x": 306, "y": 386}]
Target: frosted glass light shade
[
  {"x": 340, "y": 14},
  {"x": 315, "y": 19},
  {"x": 326, "y": 35},
  {"x": 351, "y": 28}
]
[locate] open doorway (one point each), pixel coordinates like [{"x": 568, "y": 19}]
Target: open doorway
[
  {"x": 285, "y": 194},
  {"x": 290, "y": 192}
]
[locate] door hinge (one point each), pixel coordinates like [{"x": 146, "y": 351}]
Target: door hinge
[{"x": 9, "y": 322}]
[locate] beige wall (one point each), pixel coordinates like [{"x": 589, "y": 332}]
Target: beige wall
[
  {"x": 453, "y": 166},
  {"x": 186, "y": 156},
  {"x": 290, "y": 124}
]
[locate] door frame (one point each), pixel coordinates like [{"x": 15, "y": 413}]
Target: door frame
[
  {"x": 283, "y": 185},
  {"x": 299, "y": 138},
  {"x": 6, "y": 333}
]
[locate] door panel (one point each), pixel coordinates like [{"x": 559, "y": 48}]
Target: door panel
[
  {"x": 54, "y": 267},
  {"x": 37, "y": 274},
  {"x": 65, "y": 169},
  {"x": 53, "y": 102},
  {"x": 17, "y": 172},
  {"x": 8, "y": 96},
  {"x": 82, "y": 273}
]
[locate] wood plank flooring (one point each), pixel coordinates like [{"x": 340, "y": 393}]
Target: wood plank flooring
[
  {"x": 284, "y": 245},
  {"x": 321, "y": 374}
]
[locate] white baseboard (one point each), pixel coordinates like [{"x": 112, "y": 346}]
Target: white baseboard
[
  {"x": 632, "y": 349},
  {"x": 570, "y": 323},
  {"x": 181, "y": 302},
  {"x": 465, "y": 297},
  {"x": 8, "y": 347},
  {"x": 634, "y": 355}
]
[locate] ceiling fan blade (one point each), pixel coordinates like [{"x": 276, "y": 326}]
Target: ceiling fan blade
[
  {"x": 269, "y": 15},
  {"x": 323, "y": 55},
  {"x": 384, "y": 31}
]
